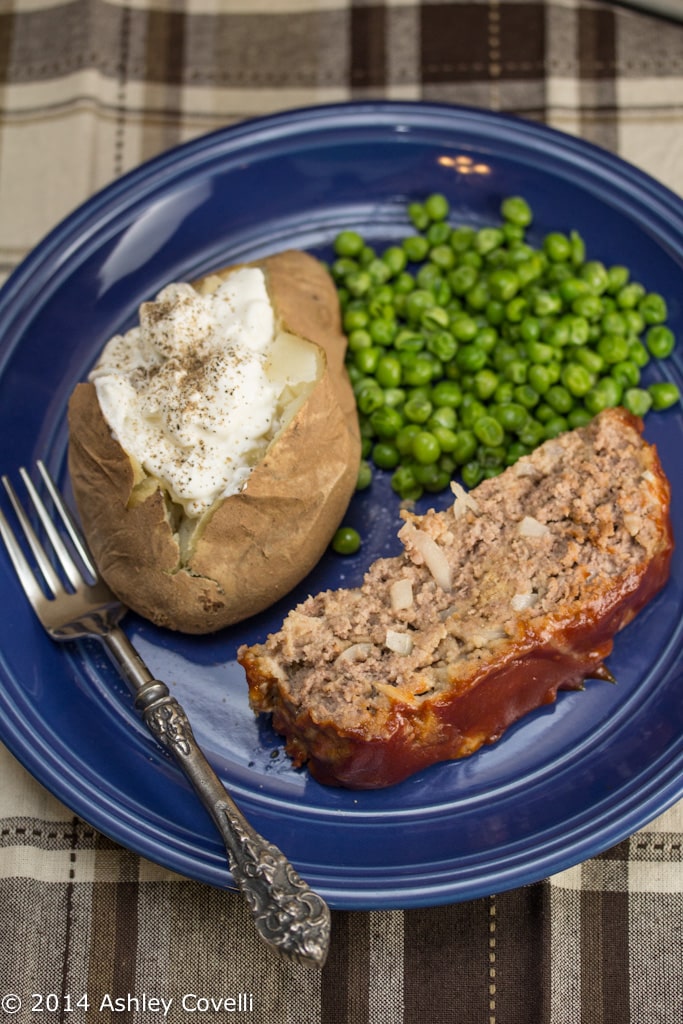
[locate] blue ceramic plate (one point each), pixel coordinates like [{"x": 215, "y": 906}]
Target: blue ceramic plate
[{"x": 564, "y": 784}]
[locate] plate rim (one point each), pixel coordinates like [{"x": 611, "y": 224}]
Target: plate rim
[{"x": 188, "y": 156}]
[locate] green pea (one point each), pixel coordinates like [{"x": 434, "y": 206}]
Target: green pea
[
  {"x": 382, "y": 332},
  {"x": 418, "y": 410},
  {"x": 595, "y": 276},
  {"x": 385, "y": 455},
  {"x": 359, "y": 339},
  {"x": 446, "y": 437},
  {"x": 420, "y": 372},
  {"x": 557, "y": 247},
  {"x": 578, "y": 248},
  {"x": 478, "y": 297},
  {"x": 470, "y": 410},
  {"x": 526, "y": 396},
  {"x": 386, "y": 422},
  {"x": 539, "y": 352},
  {"x": 660, "y": 341},
  {"x": 504, "y": 284},
  {"x": 443, "y": 256},
  {"x": 617, "y": 278},
  {"x": 604, "y": 395},
  {"x": 487, "y": 338},
  {"x": 489, "y": 431},
  {"x": 634, "y": 320},
  {"x": 559, "y": 398},
  {"x": 530, "y": 329},
  {"x": 465, "y": 446},
  {"x": 546, "y": 303},
  {"x": 447, "y": 392},
  {"x": 512, "y": 416},
  {"x": 578, "y": 417},
  {"x": 416, "y": 248},
  {"x": 613, "y": 348},
  {"x": 348, "y": 243},
  {"x": 403, "y": 284},
  {"x": 366, "y": 359},
  {"x": 637, "y": 400},
  {"x": 472, "y": 473},
  {"x": 556, "y": 425},
  {"x": 589, "y": 358},
  {"x": 516, "y": 370},
  {"x": 462, "y": 238},
  {"x": 588, "y": 306},
  {"x": 638, "y": 353},
  {"x": 488, "y": 239},
  {"x": 630, "y": 295},
  {"x": 426, "y": 448},
  {"x": 358, "y": 282},
  {"x": 614, "y": 322},
  {"x": 577, "y": 380},
  {"x": 346, "y": 541},
  {"x": 388, "y": 371},
  {"x": 405, "y": 437},
  {"x": 416, "y": 303},
  {"x": 430, "y": 476},
  {"x": 532, "y": 433},
  {"x": 516, "y": 210},
  {"x": 355, "y": 319},
  {"x": 406, "y": 486},
  {"x": 572, "y": 288},
  {"x": 485, "y": 383},
  {"x": 471, "y": 358},
  {"x": 544, "y": 412},
  {"x": 418, "y": 215},
  {"x": 539, "y": 378},
  {"x": 626, "y": 373},
  {"x": 443, "y": 416},
  {"x": 436, "y": 207},
  {"x": 438, "y": 232},
  {"x": 664, "y": 395}
]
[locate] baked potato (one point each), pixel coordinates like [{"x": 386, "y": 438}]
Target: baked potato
[{"x": 196, "y": 569}]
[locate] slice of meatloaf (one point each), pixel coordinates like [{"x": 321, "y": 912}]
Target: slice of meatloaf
[{"x": 496, "y": 603}]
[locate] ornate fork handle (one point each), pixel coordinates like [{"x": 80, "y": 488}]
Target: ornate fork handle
[{"x": 288, "y": 915}]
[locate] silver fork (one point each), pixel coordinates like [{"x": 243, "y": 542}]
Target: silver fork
[{"x": 289, "y": 916}]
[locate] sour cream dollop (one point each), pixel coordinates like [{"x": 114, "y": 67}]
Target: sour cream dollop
[{"x": 194, "y": 393}]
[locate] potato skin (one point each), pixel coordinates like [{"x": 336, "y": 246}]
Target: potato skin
[{"x": 253, "y": 547}]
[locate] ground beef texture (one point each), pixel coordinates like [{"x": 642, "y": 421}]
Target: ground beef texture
[{"x": 515, "y": 591}]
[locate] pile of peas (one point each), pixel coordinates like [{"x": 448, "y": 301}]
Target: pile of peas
[{"x": 468, "y": 347}]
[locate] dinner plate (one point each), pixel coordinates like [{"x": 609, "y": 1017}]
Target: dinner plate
[{"x": 568, "y": 781}]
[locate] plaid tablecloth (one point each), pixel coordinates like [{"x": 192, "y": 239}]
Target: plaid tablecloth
[{"x": 91, "y": 932}]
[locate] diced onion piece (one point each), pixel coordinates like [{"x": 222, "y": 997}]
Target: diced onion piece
[
  {"x": 463, "y": 500},
  {"x": 356, "y": 652},
  {"x": 524, "y": 468},
  {"x": 432, "y": 556},
  {"x": 399, "y": 643},
  {"x": 401, "y": 595},
  {"x": 485, "y": 637},
  {"x": 530, "y": 527},
  {"x": 520, "y": 602},
  {"x": 633, "y": 523}
]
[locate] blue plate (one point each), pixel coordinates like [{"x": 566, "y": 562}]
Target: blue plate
[{"x": 564, "y": 784}]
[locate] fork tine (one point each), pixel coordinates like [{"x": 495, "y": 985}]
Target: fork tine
[
  {"x": 67, "y": 563},
  {"x": 21, "y": 566},
  {"x": 51, "y": 578},
  {"x": 67, "y": 519}
]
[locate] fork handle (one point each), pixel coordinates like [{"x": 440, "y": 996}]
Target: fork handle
[{"x": 289, "y": 916}]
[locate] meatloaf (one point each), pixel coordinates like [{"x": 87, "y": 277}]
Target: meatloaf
[{"x": 513, "y": 592}]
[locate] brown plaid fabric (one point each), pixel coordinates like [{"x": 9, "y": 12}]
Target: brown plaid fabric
[{"x": 91, "y": 932}]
